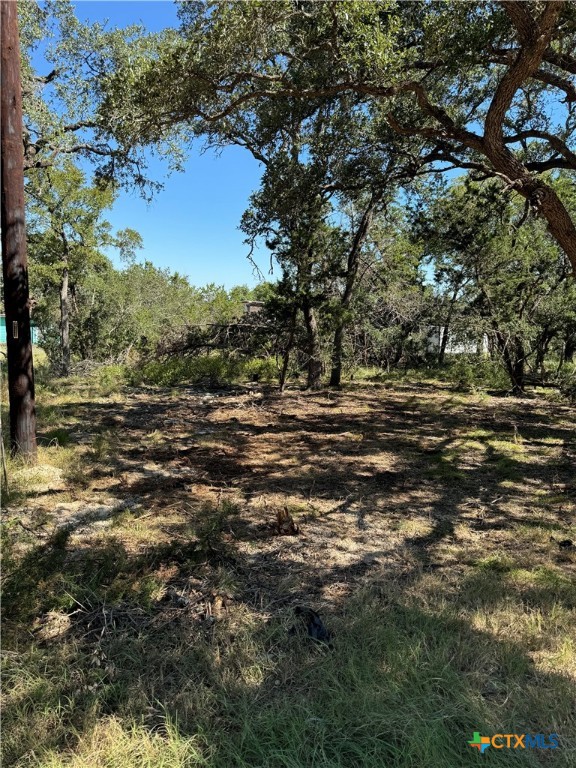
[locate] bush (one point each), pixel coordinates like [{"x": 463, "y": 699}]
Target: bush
[
  {"x": 111, "y": 378},
  {"x": 264, "y": 369},
  {"x": 567, "y": 381},
  {"x": 211, "y": 370},
  {"x": 470, "y": 372}
]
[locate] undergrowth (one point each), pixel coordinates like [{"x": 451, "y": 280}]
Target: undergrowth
[{"x": 211, "y": 370}]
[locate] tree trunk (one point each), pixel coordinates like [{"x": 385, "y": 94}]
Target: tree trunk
[
  {"x": 543, "y": 200},
  {"x": 518, "y": 383},
  {"x": 542, "y": 351},
  {"x": 446, "y": 327},
  {"x": 65, "y": 323},
  {"x": 314, "y": 357},
  {"x": 569, "y": 349},
  {"x": 351, "y": 273},
  {"x": 443, "y": 344},
  {"x": 336, "y": 372},
  {"x": 513, "y": 360},
  {"x": 398, "y": 353},
  {"x": 406, "y": 330},
  {"x": 14, "y": 256},
  {"x": 289, "y": 345}
]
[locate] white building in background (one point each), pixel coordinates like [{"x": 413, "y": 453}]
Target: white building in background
[{"x": 458, "y": 344}]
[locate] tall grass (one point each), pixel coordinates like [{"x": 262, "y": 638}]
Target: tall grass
[{"x": 416, "y": 668}]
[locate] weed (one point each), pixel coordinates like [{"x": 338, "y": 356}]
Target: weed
[
  {"x": 111, "y": 379},
  {"x": 105, "y": 445},
  {"x": 57, "y": 437},
  {"x": 498, "y": 562}
]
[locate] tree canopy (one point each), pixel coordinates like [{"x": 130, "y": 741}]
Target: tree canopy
[
  {"x": 487, "y": 87},
  {"x": 61, "y": 104},
  {"x": 356, "y": 111}
]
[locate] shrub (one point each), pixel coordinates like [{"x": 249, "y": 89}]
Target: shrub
[
  {"x": 111, "y": 378},
  {"x": 210, "y": 370},
  {"x": 567, "y": 382},
  {"x": 265, "y": 369},
  {"x": 470, "y": 372}
]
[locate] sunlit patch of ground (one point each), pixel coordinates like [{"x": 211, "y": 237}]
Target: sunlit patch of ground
[{"x": 149, "y": 600}]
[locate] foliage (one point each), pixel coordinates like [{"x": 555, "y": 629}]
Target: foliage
[
  {"x": 111, "y": 378},
  {"x": 485, "y": 106},
  {"x": 67, "y": 236},
  {"x": 137, "y": 306},
  {"x": 567, "y": 382},
  {"x": 214, "y": 370},
  {"x": 61, "y": 105},
  {"x": 163, "y": 634},
  {"x": 377, "y": 107},
  {"x": 114, "y": 313},
  {"x": 474, "y": 372},
  {"x": 503, "y": 275}
]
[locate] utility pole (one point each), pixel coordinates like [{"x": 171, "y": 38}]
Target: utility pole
[{"x": 14, "y": 257}]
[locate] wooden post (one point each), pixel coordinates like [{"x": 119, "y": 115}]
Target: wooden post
[{"x": 14, "y": 257}]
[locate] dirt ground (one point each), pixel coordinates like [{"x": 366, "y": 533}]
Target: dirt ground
[
  {"x": 153, "y": 563},
  {"x": 382, "y": 483}
]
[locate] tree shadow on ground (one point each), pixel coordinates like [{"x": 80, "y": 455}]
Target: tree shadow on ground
[
  {"x": 195, "y": 624},
  {"x": 408, "y": 675}
]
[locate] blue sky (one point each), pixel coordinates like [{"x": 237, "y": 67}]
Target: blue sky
[{"x": 192, "y": 225}]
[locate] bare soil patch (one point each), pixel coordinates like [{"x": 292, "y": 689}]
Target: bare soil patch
[{"x": 384, "y": 482}]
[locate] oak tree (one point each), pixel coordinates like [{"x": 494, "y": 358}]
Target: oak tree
[{"x": 485, "y": 86}]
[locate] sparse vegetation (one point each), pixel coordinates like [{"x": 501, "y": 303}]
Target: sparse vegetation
[{"x": 149, "y": 609}]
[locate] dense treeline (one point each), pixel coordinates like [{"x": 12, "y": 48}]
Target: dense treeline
[
  {"x": 461, "y": 272},
  {"x": 382, "y": 260}
]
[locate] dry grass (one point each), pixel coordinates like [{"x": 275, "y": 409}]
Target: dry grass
[{"x": 149, "y": 604}]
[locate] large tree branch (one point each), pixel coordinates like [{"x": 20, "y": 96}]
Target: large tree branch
[
  {"x": 527, "y": 62},
  {"x": 554, "y": 141},
  {"x": 45, "y": 79},
  {"x": 551, "y": 164},
  {"x": 521, "y": 18},
  {"x": 561, "y": 60},
  {"x": 79, "y": 125},
  {"x": 562, "y": 83},
  {"x": 508, "y": 57},
  {"x": 448, "y": 130},
  {"x": 451, "y": 129}
]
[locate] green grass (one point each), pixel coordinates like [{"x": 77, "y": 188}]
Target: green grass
[
  {"x": 407, "y": 684},
  {"x": 113, "y": 744},
  {"x": 102, "y": 669},
  {"x": 415, "y": 670}
]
